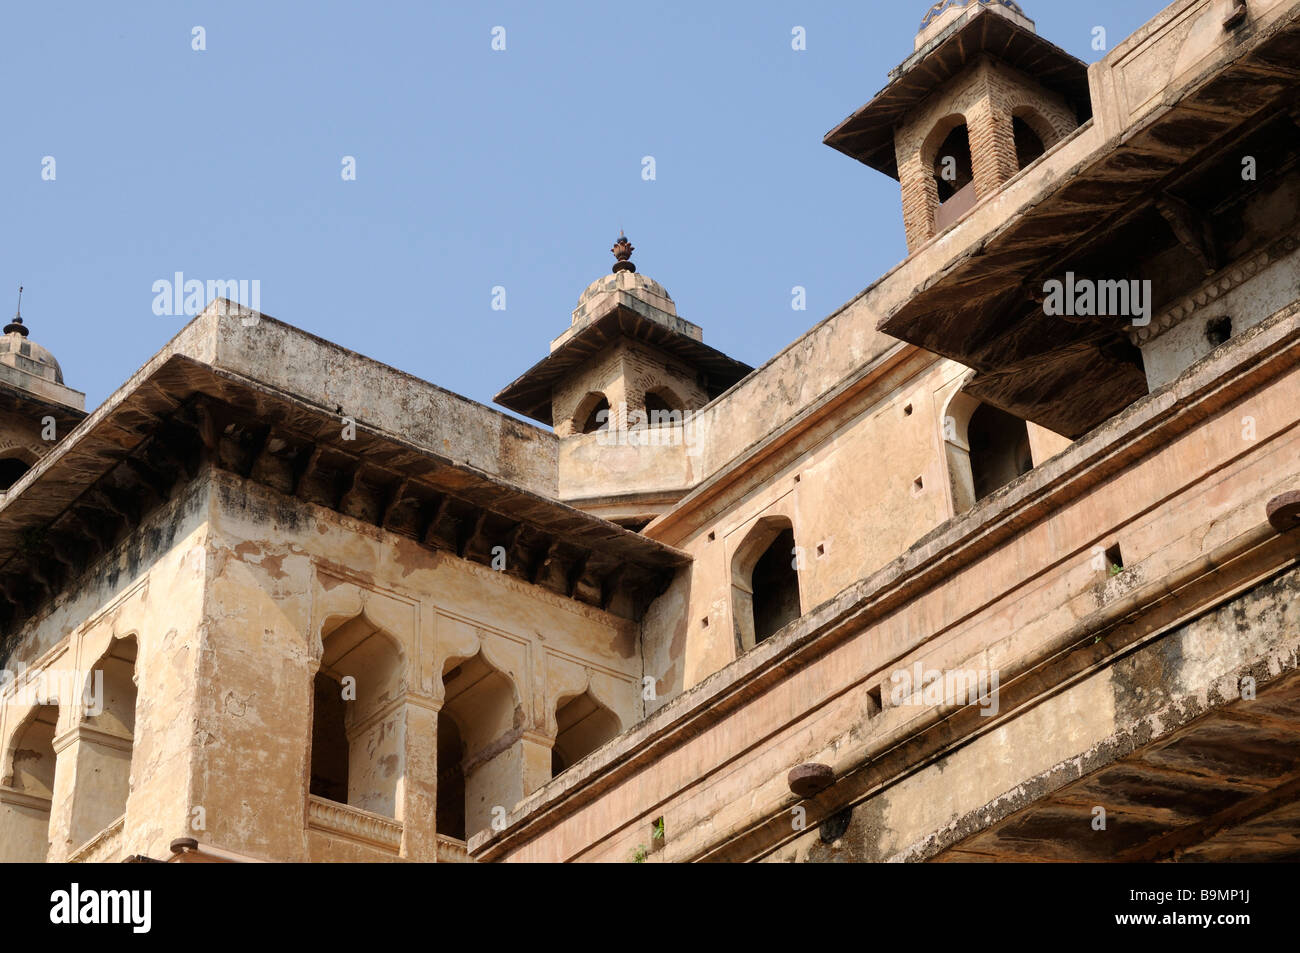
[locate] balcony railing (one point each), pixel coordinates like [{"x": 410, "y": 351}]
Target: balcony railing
[
  {"x": 452, "y": 851},
  {"x": 354, "y": 823},
  {"x": 103, "y": 848}
]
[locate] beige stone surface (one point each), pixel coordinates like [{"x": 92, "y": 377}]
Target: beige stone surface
[{"x": 341, "y": 615}]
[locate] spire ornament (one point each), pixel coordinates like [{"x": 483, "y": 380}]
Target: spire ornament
[
  {"x": 17, "y": 323},
  {"x": 623, "y": 252}
]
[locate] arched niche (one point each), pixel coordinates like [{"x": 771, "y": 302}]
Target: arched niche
[
  {"x": 356, "y": 691},
  {"x": 27, "y": 787},
  {"x": 106, "y": 741},
  {"x": 483, "y": 704},
  {"x": 986, "y": 449},
  {"x": 592, "y": 414},
  {"x": 764, "y": 582},
  {"x": 13, "y": 464},
  {"x": 949, "y": 161},
  {"x": 583, "y": 724},
  {"x": 664, "y": 408},
  {"x": 1033, "y": 134}
]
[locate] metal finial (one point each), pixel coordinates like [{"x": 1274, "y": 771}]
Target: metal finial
[
  {"x": 17, "y": 323},
  {"x": 623, "y": 251}
]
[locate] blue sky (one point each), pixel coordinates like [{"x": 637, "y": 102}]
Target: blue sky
[{"x": 475, "y": 168}]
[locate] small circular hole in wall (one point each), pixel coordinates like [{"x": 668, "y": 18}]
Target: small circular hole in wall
[
  {"x": 1218, "y": 330},
  {"x": 833, "y": 828}
]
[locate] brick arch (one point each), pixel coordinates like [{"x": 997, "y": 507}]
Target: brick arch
[
  {"x": 15, "y": 461},
  {"x": 1046, "y": 130},
  {"x": 586, "y": 408},
  {"x": 929, "y": 147}
]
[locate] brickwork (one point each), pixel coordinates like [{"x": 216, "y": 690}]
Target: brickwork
[
  {"x": 624, "y": 373},
  {"x": 602, "y": 374},
  {"x": 988, "y": 96}
]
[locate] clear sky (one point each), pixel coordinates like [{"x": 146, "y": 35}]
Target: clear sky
[{"x": 475, "y": 168}]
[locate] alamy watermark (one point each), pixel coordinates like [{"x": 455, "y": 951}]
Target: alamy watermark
[
  {"x": 52, "y": 686},
  {"x": 88, "y": 906},
  {"x": 653, "y": 428},
  {"x": 1085, "y": 298},
  {"x": 922, "y": 686},
  {"x": 189, "y": 296}
]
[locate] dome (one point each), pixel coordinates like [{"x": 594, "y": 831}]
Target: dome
[
  {"x": 624, "y": 278},
  {"x": 635, "y": 284},
  {"x": 17, "y": 351},
  {"x": 938, "y": 9}
]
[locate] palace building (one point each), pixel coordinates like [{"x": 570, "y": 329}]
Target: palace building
[{"x": 959, "y": 575}]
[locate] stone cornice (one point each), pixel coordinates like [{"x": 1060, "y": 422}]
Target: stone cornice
[
  {"x": 1226, "y": 280},
  {"x": 17, "y": 798},
  {"x": 94, "y": 735}
]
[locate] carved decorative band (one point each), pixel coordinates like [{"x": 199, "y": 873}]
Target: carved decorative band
[
  {"x": 352, "y": 822},
  {"x": 1234, "y": 276},
  {"x": 452, "y": 851}
]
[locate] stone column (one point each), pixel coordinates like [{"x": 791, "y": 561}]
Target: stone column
[
  {"x": 24, "y": 826},
  {"x": 63, "y": 799},
  {"x": 417, "y": 795},
  {"x": 920, "y": 199},
  {"x": 536, "y": 749},
  {"x": 992, "y": 145}
]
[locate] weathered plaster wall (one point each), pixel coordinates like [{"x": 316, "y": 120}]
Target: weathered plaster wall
[
  {"x": 283, "y": 572},
  {"x": 624, "y": 372},
  {"x": 854, "y": 508},
  {"x": 1190, "y": 492},
  {"x": 374, "y": 395},
  {"x": 1261, "y": 275},
  {"x": 150, "y": 588}
]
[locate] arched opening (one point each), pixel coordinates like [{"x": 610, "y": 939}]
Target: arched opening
[
  {"x": 987, "y": 448},
  {"x": 329, "y": 740},
  {"x": 359, "y": 680},
  {"x": 999, "y": 449},
  {"x": 104, "y": 754},
  {"x": 1029, "y": 146},
  {"x": 764, "y": 582},
  {"x": 451, "y": 779},
  {"x": 28, "y": 788},
  {"x": 776, "y": 587},
  {"x": 663, "y": 408},
  {"x": 482, "y": 702},
  {"x": 593, "y": 414},
  {"x": 947, "y": 154},
  {"x": 953, "y": 167},
  {"x": 583, "y": 725},
  {"x": 11, "y": 471}
]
